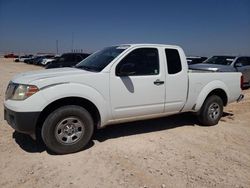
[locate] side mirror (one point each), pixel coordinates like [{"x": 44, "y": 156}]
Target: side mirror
[{"x": 126, "y": 70}]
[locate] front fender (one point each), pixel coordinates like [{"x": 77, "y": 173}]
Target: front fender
[
  {"x": 208, "y": 89},
  {"x": 56, "y": 92}
]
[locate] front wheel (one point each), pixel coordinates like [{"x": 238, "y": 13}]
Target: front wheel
[
  {"x": 211, "y": 111},
  {"x": 67, "y": 129}
]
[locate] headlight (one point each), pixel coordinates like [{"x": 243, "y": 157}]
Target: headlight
[{"x": 20, "y": 91}]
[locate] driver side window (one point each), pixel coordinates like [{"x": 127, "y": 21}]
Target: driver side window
[{"x": 142, "y": 61}]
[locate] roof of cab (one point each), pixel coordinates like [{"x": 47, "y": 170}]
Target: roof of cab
[{"x": 148, "y": 44}]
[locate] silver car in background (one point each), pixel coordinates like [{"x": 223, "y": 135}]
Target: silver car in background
[
  {"x": 195, "y": 59},
  {"x": 227, "y": 64}
]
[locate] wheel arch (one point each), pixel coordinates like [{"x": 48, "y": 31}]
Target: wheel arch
[
  {"x": 220, "y": 93},
  {"x": 85, "y": 103},
  {"x": 215, "y": 88}
]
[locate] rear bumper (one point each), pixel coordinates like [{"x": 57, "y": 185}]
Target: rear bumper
[{"x": 24, "y": 122}]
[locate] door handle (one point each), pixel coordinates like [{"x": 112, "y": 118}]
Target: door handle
[{"x": 158, "y": 82}]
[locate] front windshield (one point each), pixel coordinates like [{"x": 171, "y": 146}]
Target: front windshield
[
  {"x": 220, "y": 60},
  {"x": 99, "y": 60}
]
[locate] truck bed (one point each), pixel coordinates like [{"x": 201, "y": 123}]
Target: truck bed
[{"x": 202, "y": 82}]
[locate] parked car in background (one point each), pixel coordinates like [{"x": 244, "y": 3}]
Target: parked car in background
[
  {"x": 36, "y": 60},
  {"x": 11, "y": 56},
  {"x": 227, "y": 64},
  {"x": 195, "y": 59},
  {"x": 30, "y": 60},
  {"x": 39, "y": 61},
  {"x": 22, "y": 58},
  {"x": 67, "y": 60},
  {"x": 45, "y": 61}
]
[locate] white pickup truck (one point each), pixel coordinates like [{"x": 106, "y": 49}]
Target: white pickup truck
[{"x": 117, "y": 84}]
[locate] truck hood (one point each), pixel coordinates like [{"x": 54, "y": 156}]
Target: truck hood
[
  {"x": 28, "y": 77},
  {"x": 212, "y": 67}
]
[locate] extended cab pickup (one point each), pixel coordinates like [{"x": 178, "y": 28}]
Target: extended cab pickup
[{"x": 117, "y": 84}]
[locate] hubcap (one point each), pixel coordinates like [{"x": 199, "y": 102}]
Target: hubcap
[
  {"x": 69, "y": 130},
  {"x": 214, "y": 111}
]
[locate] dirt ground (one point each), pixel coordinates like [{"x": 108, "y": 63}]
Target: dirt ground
[{"x": 166, "y": 152}]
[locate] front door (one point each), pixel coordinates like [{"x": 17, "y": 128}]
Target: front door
[{"x": 137, "y": 84}]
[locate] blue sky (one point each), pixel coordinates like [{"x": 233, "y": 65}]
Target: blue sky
[{"x": 201, "y": 27}]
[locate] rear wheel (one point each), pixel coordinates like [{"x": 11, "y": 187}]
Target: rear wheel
[
  {"x": 211, "y": 111},
  {"x": 68, "y": 129}
]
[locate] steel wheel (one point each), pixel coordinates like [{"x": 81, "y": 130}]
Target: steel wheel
[
  {"x": 214, "y": 111},
  {"x": 211, "y": 110},
  {"x": 69, "y": 130}
]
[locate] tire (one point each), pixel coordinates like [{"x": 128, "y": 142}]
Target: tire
[
  {"x": 67, "y": 129},
  {"x": 211, "y": 111}
]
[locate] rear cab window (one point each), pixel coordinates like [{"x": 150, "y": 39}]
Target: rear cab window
[{"x": 173, "y": 61}]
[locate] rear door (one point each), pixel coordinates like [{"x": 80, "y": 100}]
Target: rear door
[
  {"x": 142, "y": 92},
  {"x": 176, "y": 80}
]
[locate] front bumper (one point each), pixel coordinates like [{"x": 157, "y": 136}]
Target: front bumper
[{"x": 24, "y": 122}]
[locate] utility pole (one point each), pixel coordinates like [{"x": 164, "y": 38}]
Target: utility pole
[{"x": 72, "y": 42}]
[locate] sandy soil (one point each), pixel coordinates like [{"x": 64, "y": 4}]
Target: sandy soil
[{"x": 165, "y": 152}]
